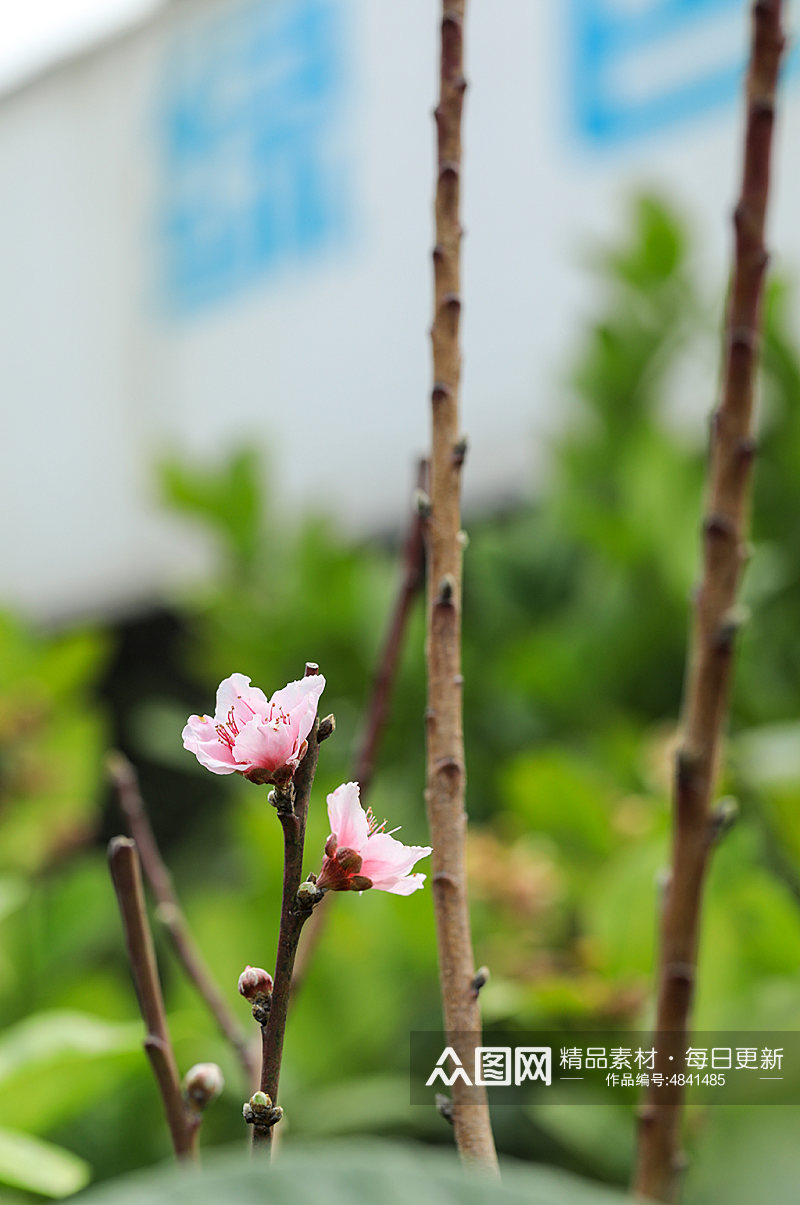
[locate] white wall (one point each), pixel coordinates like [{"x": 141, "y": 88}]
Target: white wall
[{"x": 264, "y": 277}]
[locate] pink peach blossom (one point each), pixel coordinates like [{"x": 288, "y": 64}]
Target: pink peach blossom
[
  {"x": 359, "y": 854},
  {"x": 264, "y": 739}
]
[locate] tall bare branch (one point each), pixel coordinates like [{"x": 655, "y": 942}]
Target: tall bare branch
[
  {"x": 445, "y": 794},
  {"x": 716, "y": 620}
]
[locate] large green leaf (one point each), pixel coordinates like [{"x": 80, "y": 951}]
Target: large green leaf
[
  {"x": 77, "y": 1056},
  {"x": 41, "y": 1167},
  {"x": 54, "y": 1035},
  {"x": 341, "y": 1173}
]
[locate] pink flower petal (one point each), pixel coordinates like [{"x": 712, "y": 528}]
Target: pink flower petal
[
  {"x": 246, "y": 700},
  {"x": 200, "y": 738},
  {"x": 386, "y": 860},
  {"x": 406, "y": 886},
  {"x": 294, "y": 693},
  {"x": 269, "y": 746},
  {"x": 347, "y": 817}
]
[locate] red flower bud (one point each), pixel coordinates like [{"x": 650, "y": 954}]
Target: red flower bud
[{"x": 255, "y": 983}]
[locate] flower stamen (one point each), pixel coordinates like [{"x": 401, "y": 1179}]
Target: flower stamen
[
  {"x": 225, "y": 736},
  {"x": 372, "y": 823}
]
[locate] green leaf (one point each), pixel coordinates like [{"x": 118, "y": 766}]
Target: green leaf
[
  {"x": 338, "y": 1174},
  {"x": 13, "y": 892},
  {"x": 227, "y": 496},
  {"x": 59, "y": 1035},
  {"x": 75, "y": 1057},
  {"x": 41, "y": 1167}
]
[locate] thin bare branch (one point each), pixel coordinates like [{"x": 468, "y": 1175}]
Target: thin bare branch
[
  {"x": 445, "y": 794},
  {"x": 716, "y": 620},
  {"x": 170, "y": 913},
  {"x": 377, "y": 711},
  {"x": 123, "y": 861},
  {"x": 410, "y": 585}
]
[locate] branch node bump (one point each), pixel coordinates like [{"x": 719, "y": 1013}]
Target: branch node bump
[
  {"x": 744, "y": 338},
  {"x": 762, "y": 106},
  {"x": 281, "y": 797},
  {"x": 327, "y": 727},
  {"x": 460, "y": 451},
  {"x": 718, "y": 526},
  {"x": 730, "y": 625},
  {"x": 447, "y": 591},
  {"x": 687, "y": 764},
  {"x": 746, "y": 448},
  {"x": 480, "y": 979},
  {"x": 724, "y": 815},
  {"x": 680, "y": 972},
  {"x": 450, "y": 766},
  {"x": 442, "y": 879},
  {"x": 422, "y": 504}
]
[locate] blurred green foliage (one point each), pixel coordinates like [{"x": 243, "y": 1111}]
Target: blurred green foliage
[
  {"x": 378, "y": 1171},
  {"x": 576, "y": 612}
]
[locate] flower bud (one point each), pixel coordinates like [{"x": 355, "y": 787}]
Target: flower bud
[
  {"x": 202, "y": 1084},
  {"x": 308, "y": 894},
  {"x": 255, "y": 983},
  {"x": 260, "y": 1112}
]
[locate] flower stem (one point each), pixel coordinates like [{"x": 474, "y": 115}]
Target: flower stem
[
  {"x": 445, "y": 794},
  {"x": 715, "y": 623},
  {"x": 293, "y": 918},
  {"x": 123, "y": 860}
]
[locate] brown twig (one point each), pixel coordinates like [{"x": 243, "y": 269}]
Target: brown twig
[
  {"x": 445, "y": 742},
  {"x": 378, "y": 707},
  {"x": 293, "y": 917},
  {"x": 377, "y": 710},
  {"x": 170, "y": 913},
  {"x": 715, "y": 619},
  {"x": 123, "y": 863}
]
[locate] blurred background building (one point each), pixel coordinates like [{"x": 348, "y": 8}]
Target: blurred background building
[{"x": 217, "y": 224}]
